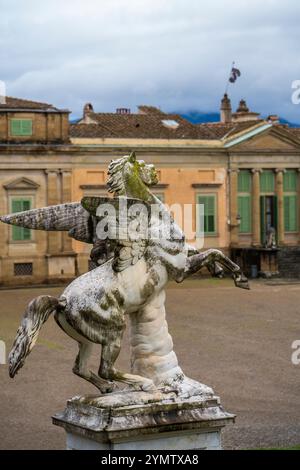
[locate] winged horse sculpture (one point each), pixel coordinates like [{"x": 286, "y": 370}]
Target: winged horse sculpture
[{"x": 129, "y": 279}]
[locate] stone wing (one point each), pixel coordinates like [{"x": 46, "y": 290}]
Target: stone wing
[
  {"x": 124, "y": 222},
  {"x": 71, "y": 217}
]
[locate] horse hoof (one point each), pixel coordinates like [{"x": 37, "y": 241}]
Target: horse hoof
[{"x": 242, "y": 282}]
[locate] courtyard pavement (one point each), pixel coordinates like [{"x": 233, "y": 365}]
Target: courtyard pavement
[{"x": 236, "y": 341}]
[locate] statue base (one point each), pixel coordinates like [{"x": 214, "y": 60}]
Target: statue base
[{"x": 132, "y": 420}]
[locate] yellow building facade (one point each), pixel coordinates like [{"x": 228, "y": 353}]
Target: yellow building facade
[{"x": 244, "y": 172}]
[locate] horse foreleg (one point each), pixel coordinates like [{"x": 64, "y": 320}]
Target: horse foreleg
[
  {"x": 109, "y": 355},
  {"x": 81, "y": 368},
  {"x": 211, "y": 258},
  {"x": 215, "y": 270}
]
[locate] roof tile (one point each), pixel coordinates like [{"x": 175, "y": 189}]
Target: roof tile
[{"x": 17, "y": 103}]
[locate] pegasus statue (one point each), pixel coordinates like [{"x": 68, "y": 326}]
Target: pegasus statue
[{"x": 129, "y": 279}]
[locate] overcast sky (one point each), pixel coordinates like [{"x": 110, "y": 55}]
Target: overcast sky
[{"x": 175, "y": 54}]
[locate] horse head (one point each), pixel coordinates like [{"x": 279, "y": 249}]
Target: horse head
[{"x": 130, "y": 177}]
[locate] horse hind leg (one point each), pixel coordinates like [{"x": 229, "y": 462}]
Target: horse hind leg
[
  {"x": 109, "y": 355},
  {"x": 81, "y": 368}
]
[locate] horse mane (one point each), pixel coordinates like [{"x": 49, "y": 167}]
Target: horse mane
[{"x": 115, "y": 180}]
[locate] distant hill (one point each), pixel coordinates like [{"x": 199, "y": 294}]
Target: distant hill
[
  {"x": 198, "y": 117},
  {"x": 74, "y": 120},
  {"x": 290, "y": 124}
]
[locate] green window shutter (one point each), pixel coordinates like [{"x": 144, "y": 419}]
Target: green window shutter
[
  {"x": 21, "y": 127},
  {"x": 293, "y": 213},
  {"x": 262, "y": 219},
  {"x": 26, "y": 127},
  {"x": 17, "y": 205},
  {"x": 209, "y": 203},
  {"x": 17, "y": 233},
  {"x": 244, "y": 209},
  {"x": 290, "y": 213},
  {"x": 20, "y": 233},
  {"x": 244, "y": 181},
  {"x": 286, "y": 209},
  {"x": 15, "y": 127},
  {"x": 26, "y": 205},
  {"x": 290, "y": 181},
  {"x": 26, "y": 234},
  {"x": 267, "y": 181}
]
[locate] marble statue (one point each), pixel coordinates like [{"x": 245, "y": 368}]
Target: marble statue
[{"x": 129, "y": 279}]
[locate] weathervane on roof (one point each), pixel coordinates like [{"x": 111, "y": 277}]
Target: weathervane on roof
[{"x": 234, "y": 74}]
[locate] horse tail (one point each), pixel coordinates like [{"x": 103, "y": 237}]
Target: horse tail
[{"x": 36, "y": 314}]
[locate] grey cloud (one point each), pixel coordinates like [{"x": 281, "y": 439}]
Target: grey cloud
[{"x": 171, "y": 53}]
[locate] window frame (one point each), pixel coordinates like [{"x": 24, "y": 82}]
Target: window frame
[
  {"x": 287, "y": 189},
  {"x": 240, "y": 174},
  {"x": 249, "y": 196},
  {"x": 215, "y": 233},
  {"x": 242, "y": 192},
  {"x": 21, "y": 134},
  {"x": 160, "y": 195},
  {"x": 267, "y": 191},
  {"x": 14, "y": 197},
  {"x": 289, "y": 195}
]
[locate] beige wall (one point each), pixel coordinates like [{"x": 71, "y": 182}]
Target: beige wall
[{"x": 33, "y": 250}]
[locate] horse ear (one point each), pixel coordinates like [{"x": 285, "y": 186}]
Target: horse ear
[{"x": 132, "y": 157}]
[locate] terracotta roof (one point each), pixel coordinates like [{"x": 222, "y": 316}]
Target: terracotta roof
[
  {"x": 144, "y": 109},
  {"x": 152, "y": 125},
  {"x": 293, "y": 130},
  {"x": 19, "y": 104},
  {"x": 219, "y": 130}
]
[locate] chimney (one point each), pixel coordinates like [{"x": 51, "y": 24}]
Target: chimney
[
  {"x": 226, "y": 111},
  {"x": 123, "y": 110},
  {"x": 243, "y": 113},
  {"x": 243, "y": 108}
]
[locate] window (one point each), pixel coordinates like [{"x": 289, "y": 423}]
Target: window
[
  {"x": 170, "y": 123},
  {"x": 244, "y": 201},
  {"x": 290, "y": 213},
  {"x": 21, "y": 127},
  {"x": 244, "y": 181},
  {"x": 23, "y": 269},
  {"x": 290, "y": 201},
  {"x": 244, "y": 210},
  {"x": 19, "y": 205},
  {"x": 209, "y": 202},
  {"x": 267, "y": 181},
  {"x": 290, "y": 181},
  {"x": 160, "y": 196}
]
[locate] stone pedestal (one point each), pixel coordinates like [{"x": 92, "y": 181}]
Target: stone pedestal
[{"x": 143, "y": 421}]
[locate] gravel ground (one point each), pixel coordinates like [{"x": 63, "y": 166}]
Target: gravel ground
[{"x": 238, "y": 342}]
